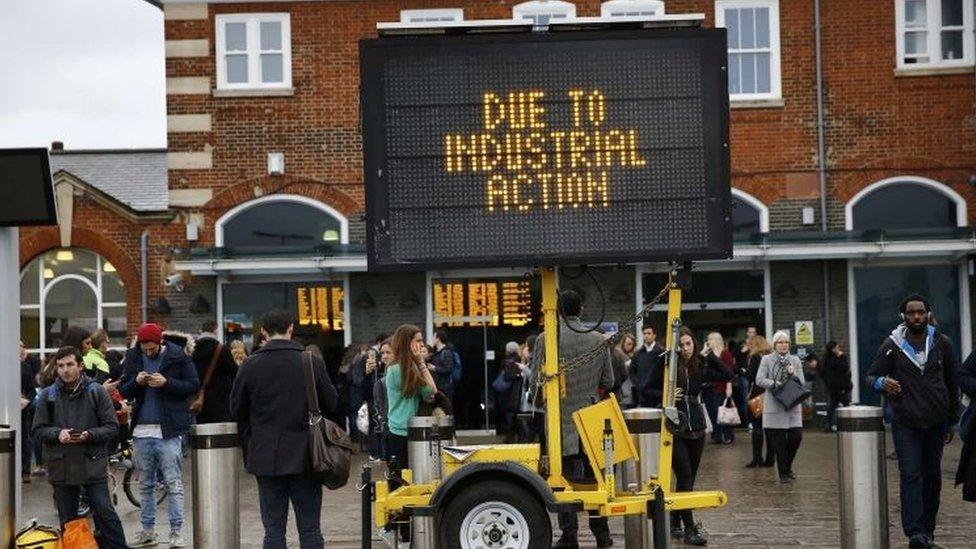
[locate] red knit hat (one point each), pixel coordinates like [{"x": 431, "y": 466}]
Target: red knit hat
[{"x": 151, "y": 333}]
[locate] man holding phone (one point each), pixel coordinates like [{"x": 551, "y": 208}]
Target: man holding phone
[
  {"x": 76, "y": 422},
  {"x": 160, "y": 377}
]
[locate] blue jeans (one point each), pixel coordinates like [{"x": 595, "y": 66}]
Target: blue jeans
[
  {"x": 107, "y": 521},
  {"x": 305, "y": 494},
  {"x": 165, "y": 455},
  {"x": 920, "y": 466}
]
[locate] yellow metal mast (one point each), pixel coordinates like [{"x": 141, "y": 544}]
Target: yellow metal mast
[
  {"x": 551, "y": 388},
  {"x": 667, "y": 438}
]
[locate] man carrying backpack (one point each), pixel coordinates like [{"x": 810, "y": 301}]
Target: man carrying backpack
[{"x": 75, "y": 421}]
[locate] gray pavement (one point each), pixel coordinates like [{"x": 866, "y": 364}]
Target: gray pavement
[{"x": 761, "y": 512}]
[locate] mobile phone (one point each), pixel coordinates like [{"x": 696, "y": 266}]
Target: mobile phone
[{"x": 75, "y": 433}]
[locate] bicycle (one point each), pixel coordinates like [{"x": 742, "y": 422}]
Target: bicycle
[{"x": 121, "y": 467}]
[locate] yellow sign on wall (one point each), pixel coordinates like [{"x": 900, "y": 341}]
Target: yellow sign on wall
[{"x": 804, "y": 332}]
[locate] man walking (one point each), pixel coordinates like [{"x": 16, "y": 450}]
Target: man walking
[
  {"x": 916, "y": 370},
  {"x": 76, "y": 422},
  {"x": 268, "y": 401},
  {"x": 160, "y": 378},
  {"x": 442, "y": 364},
  {"x": 582, "y": 384}
]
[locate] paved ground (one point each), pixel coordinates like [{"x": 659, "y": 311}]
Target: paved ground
[{"x": 761, "y": 514}]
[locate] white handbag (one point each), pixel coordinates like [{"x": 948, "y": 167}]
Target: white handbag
[{"x": 728, "y": 414}]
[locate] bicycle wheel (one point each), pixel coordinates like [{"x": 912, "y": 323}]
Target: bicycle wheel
[{"x": 132, "y": 487}]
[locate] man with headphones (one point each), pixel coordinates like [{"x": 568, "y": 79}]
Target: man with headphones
[{"x": 915, "y": 369}]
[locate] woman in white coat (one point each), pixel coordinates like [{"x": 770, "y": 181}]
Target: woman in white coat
[{"x": 784, "y": 428}]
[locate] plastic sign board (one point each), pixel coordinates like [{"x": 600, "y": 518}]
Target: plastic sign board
[
  {"x": 804, "y": 332},
  {"x": 546, "y": 148},
  {"x": 26, "y": 188}
]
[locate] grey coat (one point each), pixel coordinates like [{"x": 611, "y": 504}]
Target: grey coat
[
  {"x": 771, "y": 374},
  {"x": 581, "y": 383}
]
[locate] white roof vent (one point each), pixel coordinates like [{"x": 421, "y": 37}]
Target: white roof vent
[
  {"x": 632, "y": 8},
  {"x": 447, "y": 15},
  {"x": 542, "y": 12}
]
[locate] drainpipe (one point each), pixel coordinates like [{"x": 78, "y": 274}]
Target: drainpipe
[
  {"x": 822, "y": 165},
  {"x": 144, "y": 257}
]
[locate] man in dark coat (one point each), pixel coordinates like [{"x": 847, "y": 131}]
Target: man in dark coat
[
  {"x": 966, "y": 475},
  {"x": 916, "y": 370},
  {"x": 76, "y": 422},
  {"x": 269, "y": 402},
  {"x": 216, "y": 401},
  {"x": 160, "y": 377},
  {"x": 648, "y": 358}
]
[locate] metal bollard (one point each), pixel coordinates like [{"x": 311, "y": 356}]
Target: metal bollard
[
  {"x": 216, "y": 486},
  {"x": 862, "y": 476},
  {"x": 644, "y": 425},
  {"x": 426, "y": 435},
  {"x": 8, "y": 486}
]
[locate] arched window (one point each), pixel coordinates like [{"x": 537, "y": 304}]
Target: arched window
[
  {"x": 749, "y": 215},
  {"x": 541, "y": 12},
  {"x": 905, "y": 203},
  {"x": 69, "y": 287},
  {"x": 281, "y": 220},
  {"x": 632, "y": 8}
]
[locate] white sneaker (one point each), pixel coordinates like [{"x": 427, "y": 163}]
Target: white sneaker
[
  {"x": 146, "y": 538},
  {"x": 176, "y": 539},
  {"x": 389, "y": 537}
]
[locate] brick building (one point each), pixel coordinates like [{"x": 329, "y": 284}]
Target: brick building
[{"x": 851, "y": 188}]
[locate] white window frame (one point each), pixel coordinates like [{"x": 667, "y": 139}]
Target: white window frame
[
  {"x": 934, "y": 28},
  {"x": 555, "y": 9},
  {"x": 775, "y": 84},
  {"x": 962, "y": 211},
  {"x": 253, "y": 24},
  {"x": 297, "y": 198},
  {"x": 632, "y": 8},
  {"x": 444, "y": 15}
]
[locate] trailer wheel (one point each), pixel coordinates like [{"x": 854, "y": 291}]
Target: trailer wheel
[{"x": 495, "y": 515}]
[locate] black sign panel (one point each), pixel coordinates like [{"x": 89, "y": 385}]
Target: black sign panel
[
  {"x": 26, "y": 190},
  {"x": 546, "y": 148}
]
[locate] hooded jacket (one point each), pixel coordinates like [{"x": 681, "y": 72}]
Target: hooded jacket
[
  {"x": 87, "y": 407},
  {"x": 929, "y": 394},
  {"x": 181, "y": 383}
]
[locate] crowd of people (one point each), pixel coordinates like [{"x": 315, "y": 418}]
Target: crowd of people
[{"x": 87, "y": 399}]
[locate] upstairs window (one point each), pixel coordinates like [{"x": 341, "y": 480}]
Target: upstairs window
[
  {"x": 632, "y": 8},
  {"x": 449, "y": 15},
  {"x": 542, "y": 12},
  {"x": 934, "y": 33},
  {"x": 253, "y": 51},
  {"x": 754, "y": 49}
]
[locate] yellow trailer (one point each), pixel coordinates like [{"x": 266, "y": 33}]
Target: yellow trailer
[{"x": 500, "y": 496}]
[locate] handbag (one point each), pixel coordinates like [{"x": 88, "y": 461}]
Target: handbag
[
  {"x": 329, "y": 446},
  {"x": 501, "y": 385},
  {"x": 791, "y": 392},
  {"x": 728, "y": 414},
  {"x": 756, "y": 405},
  {"x": 197, "y": 404}
]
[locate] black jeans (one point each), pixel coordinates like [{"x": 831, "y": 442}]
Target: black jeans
[
  {"x": 919, "y": 464},
  {"x": 577, "y": 468},
  {"x": 758, "y": 435},
  {"x": 784, "y": 443},
  {"x": 305, "y": 494},
  {"x": 833, "y": 402},
  {"x": 685, "y": 461},
  {"x": 106, "y": 520},
  {"x": 26, "y": 419}
]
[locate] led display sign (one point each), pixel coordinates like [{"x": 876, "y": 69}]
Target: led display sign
[{"x": 546, "y": 148}]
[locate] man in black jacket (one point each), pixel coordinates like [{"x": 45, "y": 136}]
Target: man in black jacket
[
  {"x": 648, "y": 358},
  {"x": 916, "y": 370},
  {"x": 268, "y": 401},
  {"x": 76, "y": 423},
  {"x": 160, "y": 377}
]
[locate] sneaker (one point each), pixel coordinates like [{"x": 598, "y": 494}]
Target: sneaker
[
  {"x": 176, "y": 539},
  {"x": 918, "y": 541},
  {"x": 389, "y": 537},
  {"x": 677, "y": 531},
  {"x": 792, "y": 475},
  {"x": 144, "y": 539},
  {"x": 693, "y": 536},
  {"x": 604, "y": 540},
  {"x": 566, "y": 542},
  {"x": 785, "y": 479}
]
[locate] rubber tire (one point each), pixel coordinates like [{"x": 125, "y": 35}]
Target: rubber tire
[
  {"x": 454, "y": 510},
  {"x": 131, "y": 488}
]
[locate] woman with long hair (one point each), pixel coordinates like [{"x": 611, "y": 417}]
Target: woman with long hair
[
  {"x": 714, "y": 396},
  {"x": 407, "y": 382},
  {"x": 784, "y": 428},
  {"x": 694, "y": 370},
  {"x": 756, "y": 348}
]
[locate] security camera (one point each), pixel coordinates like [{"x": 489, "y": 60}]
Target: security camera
[{"x": 175, "y": 281}]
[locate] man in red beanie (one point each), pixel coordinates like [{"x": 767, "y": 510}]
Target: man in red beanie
[{"x": 160, "y": 377}]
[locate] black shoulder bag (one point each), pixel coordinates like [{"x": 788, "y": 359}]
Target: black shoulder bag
[
  {"x": 790, "y": 392},
  {"x": 329, "y": 446}
]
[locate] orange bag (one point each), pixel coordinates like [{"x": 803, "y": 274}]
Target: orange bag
[{"x": 78, "y": 535}]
